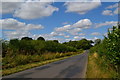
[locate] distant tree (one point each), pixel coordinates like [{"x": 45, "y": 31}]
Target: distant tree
[
  {"x": 41, "y": 38},
  {"x": 14, "y": 43},
  {"x": 26, "y": 38},
  {"x": 4, "y": 47},
  {"x": 56, "y": 41},
  {"x": 81, "y": 44},
  {"x": 97, "y": 41}
]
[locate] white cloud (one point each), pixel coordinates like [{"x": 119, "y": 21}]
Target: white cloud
[
  {"x": 81, "y": 34},
  {"x": 75, "y": 28},
  {"x": 112, "y": 11},
  {"x": 64, "y": 28},
  {"x": 32, "y": 10},
  {"x": 95, "y": 33},
  {"x": 81, "y": 7},
  {"x": 13, "y": 0},
  {"x": 107, "y": 12},
  {"x": 28, "y": 10},
  {"x": 16, "y": 34},
  {"x": 112, "y": 6},
  {"x": 67, "y": 36},
  {"x": 19, "y": 29},
  {"x": 9, "y": 7},
  {"x": 51, "y": 37},
  {"x": 107, "y": 23},
  {"x": 54, "y": 34},
  {"x": 78, "y": 38},
  {"x": 13, "y": 24},
  {"x": 117, "y": 11},
  {"x": 74, "y": 31},
  {"x": 84, "y": 23}
]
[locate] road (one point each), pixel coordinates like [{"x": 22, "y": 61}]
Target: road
[{"x": 73, "y": 67}]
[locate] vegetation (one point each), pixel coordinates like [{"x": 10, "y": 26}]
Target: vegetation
[
  {"x": 32, "y": 61},
  {"x": 82, "y": 44},
  {"x": 108, "y": 51},
  {"x": 26, "y": 51},
  {"x": 97, "y": 66}
]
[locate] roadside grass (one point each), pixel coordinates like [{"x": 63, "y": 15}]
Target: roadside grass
[
  {"x": 98, "y": 68},
  {"x": 35, "y": 61}
]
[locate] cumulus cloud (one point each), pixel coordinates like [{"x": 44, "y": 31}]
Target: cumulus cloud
[
  {"x": 114, "y": 10},
  {"x": 67, "y": 31},
  {"x": 107, "y": 12},
  {"x": 54, "y": 34},
  {"x": 117, "y": 11},
  {"x": 13, "y": 0},
  {"x": 16, "y": 34},
  {"x": 16, "y": 29},
  {"x": 81, "y": 34},
  {"x": 64, "y": 28},
  {"x": 74, "y": 31},
  {"x": 112, "y": 6},
  {"x": 78, "y": 38},
  {"x": 75, "y": 28},
  {"x": 32, "y": 10},
  {"x": 84, "y": 23},
  {"x": 9, "y": 7},
  {"x": 13, "y": 24},
  {"x": 67, "y": 36},
  {"x": 57, "y": 34},
  {"x": 95, "y": 33},
  {"x": 81, "y": 7},
  {"x": 28, "y": 10},
  {"x": 107, "y": 23}
]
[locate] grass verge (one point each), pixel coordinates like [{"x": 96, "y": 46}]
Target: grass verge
[
  {"x": 19, "y": 68},
  {"x": 98, "y": 68}
]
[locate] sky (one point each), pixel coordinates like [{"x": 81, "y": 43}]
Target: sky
[{"x": 63, "y": 21}]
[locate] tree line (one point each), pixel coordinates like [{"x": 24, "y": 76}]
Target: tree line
[{"x": 28, "y": 46}]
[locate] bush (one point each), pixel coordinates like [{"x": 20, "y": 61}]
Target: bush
[{"x": 110, "y": 48}]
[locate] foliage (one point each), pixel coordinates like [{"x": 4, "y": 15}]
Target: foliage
[
  {"x": 110, "y": 48},
  {"x": 31, "y": 47},
  {"x": 81, "y": 44},
  {"x": 20, "y": 52},
  {"x": 97, "y": 41},
  {"x": 20, "y": 59},
  {"x": 41, "y": 38},
  {"x": 26, "y": 38}
]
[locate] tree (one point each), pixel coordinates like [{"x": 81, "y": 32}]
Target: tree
[
  {"x": 26, "y": 38},
  {"x": 56, "y": 41},
  {"x": 81, "y": 44},
  {"x": 14, "y": 43},
  {"x": 97, "y": 41},
  {"x": 41, "y": 38}
]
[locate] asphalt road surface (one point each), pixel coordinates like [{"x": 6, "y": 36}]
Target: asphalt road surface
[{"x": 73, "y": 67}]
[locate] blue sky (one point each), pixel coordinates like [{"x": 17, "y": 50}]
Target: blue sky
[{"x": 59, "y": 20}]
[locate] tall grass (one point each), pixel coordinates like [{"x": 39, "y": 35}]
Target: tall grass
[
  {"x": 13, "y": 65},
  {"x": 20, "y": 59},
  {"x": 98, "y": 67}
]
